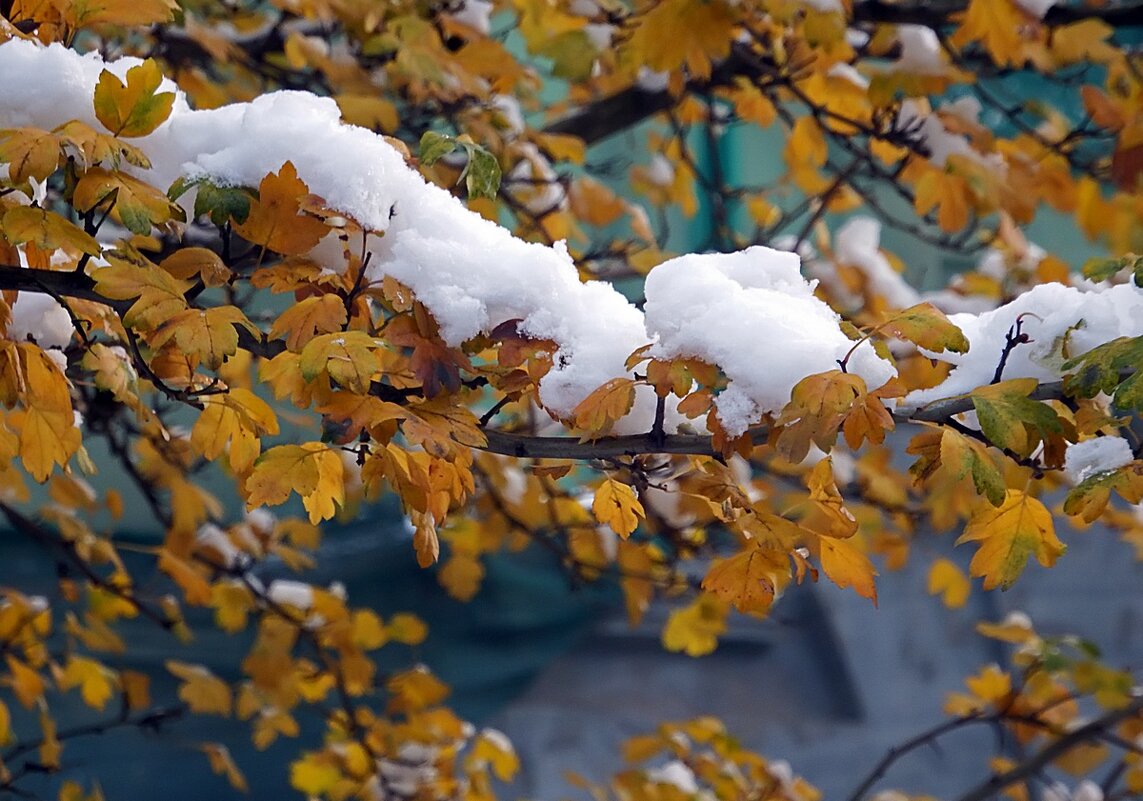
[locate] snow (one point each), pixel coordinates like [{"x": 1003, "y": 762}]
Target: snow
[
  {"x": 291, "y": 593},
  {"x": 751, "y": 313},
  {"x": 41, "y": 319},
  {"x": 920, "y": 51},
  {"x": 1063, "y": 322},
  {"x": 677, "y": 774},
  {"x": 857, "y": 243},
  {"x": 475, "y": 14},
  {"x": 1036, "y": 8},
  {"x": 1082, "y": 460},
  {"x": 825, "y": 5},
  {"x": 941, "y": 143},
  {"x": 708, "y": 306}
]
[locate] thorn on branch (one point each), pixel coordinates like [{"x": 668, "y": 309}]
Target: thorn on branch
[{"x": 1013, "y": 338}]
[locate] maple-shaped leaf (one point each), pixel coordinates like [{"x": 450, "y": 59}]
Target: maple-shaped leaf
[
  {"x": 188, "y": 263},
  {"x": 678, "y": 32},
  {"x": 847, "y": 566},
  {"x": 599, "y": 411},
  {"x": 1019, "y": 528},
  {"x": 95, "y": 680},
  {"x": 203, "y": 691},
  {"x": 30, "y": 153},
  {"x": 276, "y": 221},
  {"x": 315, "y": 774},
  {"x": 751, "y": 579},
  {"x": 46, "y": 426},
  {"x": 964, "y": 456},
  {"x": 160, "y": 295},
  {"x": 321, "y": 314},
  {"x": 96, "y": 147},
  {"x": 694, "y": 629},
  {"x": 818, "y": 406},
  {"x": 997, "y": 24},
  {"x": 1112, "y": 368},
  {"x": 313, "y": 470},
  {"x": 349, "y": 358},
  {"x": 233, "y": 423},
  {"x": 678, "y": 376},
  {"x": 27, "y": 684},
  {"x": 46, "y": 230},
  {"x": 948, "y": 193},
  {"x": 436, "y": 365},
  {"x": 84, "y": 13},
  {"x": 208, "y": 335},
  {"x": 1012, "y": 420},
  {"x": 132, "y": 202},
  {"x": 948, "y": 581},
  {"x": 1090, "y": 497},
  {"x": 135, "y": 108},
  {"x": 927, "y": 327},
  {"x": 615, "y": 504}
]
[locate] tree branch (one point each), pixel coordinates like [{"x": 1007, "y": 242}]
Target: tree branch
[{"x": 939, "y": 14}]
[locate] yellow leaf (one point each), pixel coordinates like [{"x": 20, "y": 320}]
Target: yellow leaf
[
  {"x": 992, "y": 685},
  {"x": 134, "y": 108},
  {"x": 313, "y": 470},
  {"x": 677, "y": 32},
  {"x": 202, "y": 690},
  {"x": 186, "y": 263},
  {"x": 223, "y": 764},
  {"x": 25, "y": 682},
  {"x": 137, "y": 205},
  {"x": 46, "y": 230},
  {"x": 136, "y": 689},
  {"x": 997, "y": 24},
  {"x": 414, "y": 690},
  {"x": 597, "y": 413},
  {"x": 94, "y": 680},
  {"x": 407, "y": 629},
  {"x": 368, "y": 630},
  {"x": 233, "y": 423},
  {"x": 232, "y": 602},
  {"x": 350, "y": 358},
  {"x": 751, "y": 579},
  {"x": 946, "y": 579},
  {"x": 818, "y": 407},
  {"x": 48, "y": 437},
  {"x": 207, "y": 335},
  {"x": 160, "y": 295},
  {"x": 314, "y": 774},
  {"x": 461, "y": 576},
  {"x": 81, "y": 13},
  {"x": 275, "y": 219},
  {"x": 196, "y": 589},
  {"x": 695, "y": 628},
  {"x": 30, "y": 153},
  {"x": 322, "y": 314},
  {"x": 847, "y": 566},
  {"x": 493, "y": 748},
  {"x": 616, "y": 505},
  {"x": 1019, "y": 528}
]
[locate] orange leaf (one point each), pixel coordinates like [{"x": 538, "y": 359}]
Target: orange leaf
[{"x": 275, "y": 221}]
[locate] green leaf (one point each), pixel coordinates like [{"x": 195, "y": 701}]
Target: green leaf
[
  {"x": 1012, "y": 420},
  {"x": 963, "y": 456},
  {"x": 435, "y": 145},
  {"x": 572, "y": 55},
  {"x": 1102, "y": 269},
  {"x": 1111, "y": 368},
  {"x": 221, "y": 203},
  {"x": 482, "y": 173},
  {"x": 482, "y": 176}
]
